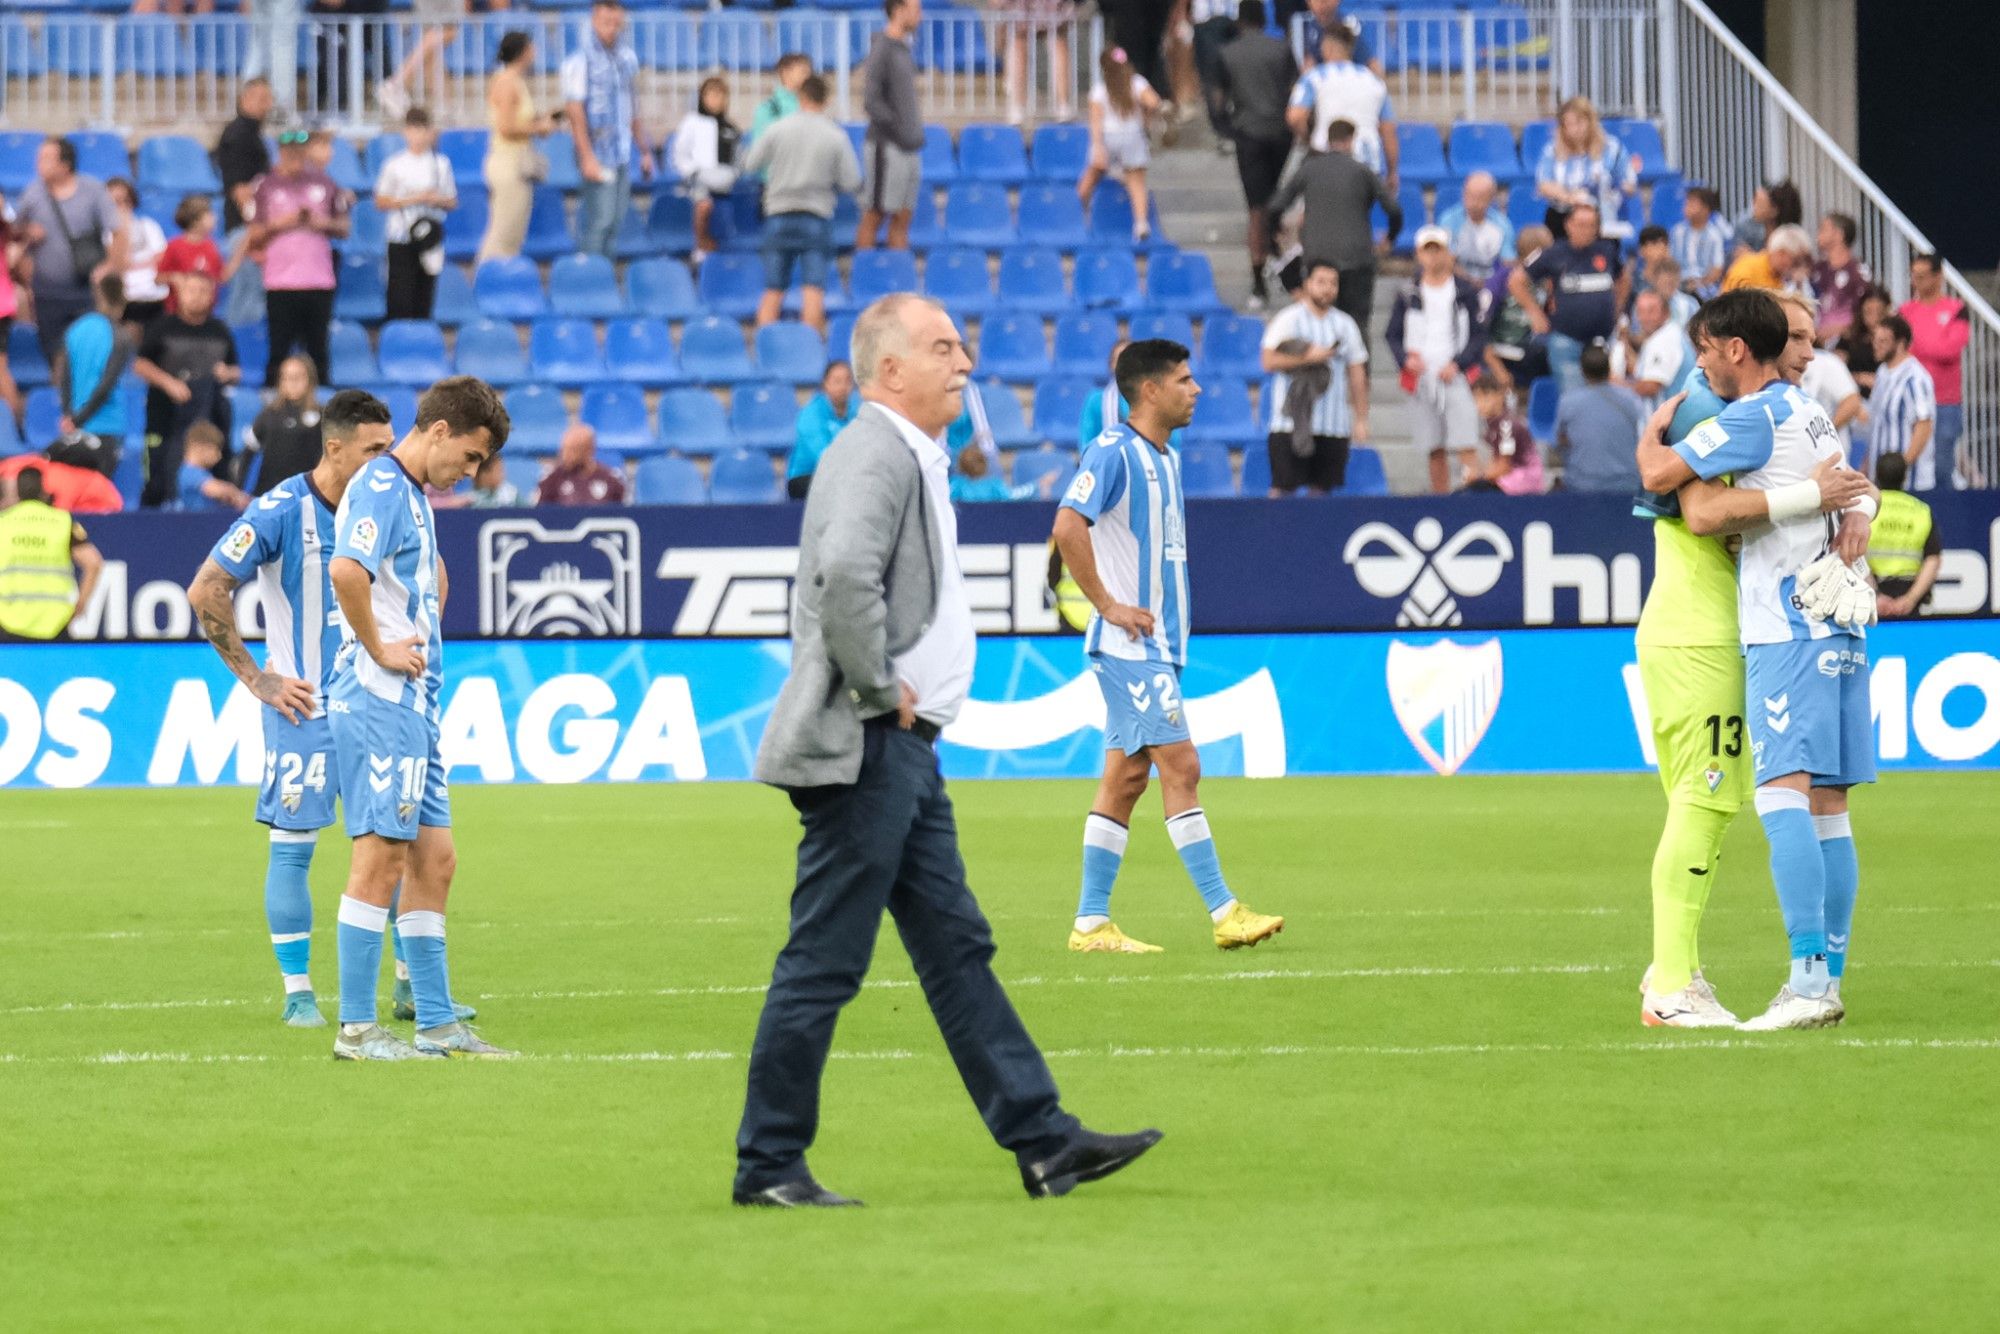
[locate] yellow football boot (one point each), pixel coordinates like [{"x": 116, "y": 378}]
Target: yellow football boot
[
  {"x": 1108, "y": 939},
  {"x": 1243, "y": 927}
]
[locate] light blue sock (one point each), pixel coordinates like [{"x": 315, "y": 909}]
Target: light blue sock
[
  {"x": 360, "y": 941},
  {"x": 395, "y": 936},
  {"x": 1800, "y": 877},
  {"x": 1189, "y": 831},
  {"x": 288, "y": 905},
  {"x": 1843, "y": 883},
  {"x": 1103, "y": 853},
  {"x": 423, "y": 937}
]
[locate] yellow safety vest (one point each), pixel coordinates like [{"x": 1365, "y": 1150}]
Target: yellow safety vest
[
  {"x": 1896, "y": 542},
  {"x": 37, "y": 580}
]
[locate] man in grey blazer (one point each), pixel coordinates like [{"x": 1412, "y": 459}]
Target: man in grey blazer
[{"x": 882, "y": 656}]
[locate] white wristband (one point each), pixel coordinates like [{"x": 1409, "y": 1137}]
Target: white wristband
[
  {"x": 1793, "y": 501},
  {"x": 1868, "y": 506}
]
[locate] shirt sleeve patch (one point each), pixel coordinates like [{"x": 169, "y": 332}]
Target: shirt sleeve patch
[
  {"x": 241, "y": 538},
  {"x": 362, "y": 536},
  {"x": 1706, "y": 438},
  {"x": 1082, "y": 488}
]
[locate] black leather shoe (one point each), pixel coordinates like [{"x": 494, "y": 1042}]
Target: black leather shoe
[
  {"x": 806, "y": 1194},
  {"x": 1086, "y": 1158}
]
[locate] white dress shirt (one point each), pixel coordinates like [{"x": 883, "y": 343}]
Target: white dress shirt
[{"x": 938, "y": 667}]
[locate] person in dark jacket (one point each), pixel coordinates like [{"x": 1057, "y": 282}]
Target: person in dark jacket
[
  {"x": 1254, "y": 74},
  {"x": 1437, "y": 334},
  {"x": 1339, "y": 192}
]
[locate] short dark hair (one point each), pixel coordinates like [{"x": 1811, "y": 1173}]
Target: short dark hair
[
  {"x": 813, "y": 90},
  {"x": 791, "y": 58},
  {"x": 512, "y": 44},
  {"x": 1143, "y": 360},
  {"x": 191, "y": 209},
  {"x": 889, "y": 7},
  {"x": 1338, "y": 32},
  {"x": 1931, "y": 260},
  {"x": 1250, "y": 13},
  {"x": 1899, "y": 328},
  {"x": 1339, "y": 129},
  {"x": 607, "y": 4},
  {"x": 1652, "y": 233},
  {"x": 28, "y": 484},
  {"x": 1891, "y": 471},
  {"x": 1707, "y": 194},
  {"x": 1312, "y": 266},
  {"x": 465, "y": 404},
  {"x": 111, "y": 290},
  {"x": 416, "y": 118},
  {"x": 1596, "y": 364},
  {"x": 203, "y": 433},
  {"x": 120, "y": 183},
  {"x": 1786, "y": 203},
  {"x": 349, "y": 410},
  {"x": 1845, "y": 226},
  {"x": 830, "y": 364},
  {"x": 65, "y": 151},
  {"x": 1748, "y": 313}
]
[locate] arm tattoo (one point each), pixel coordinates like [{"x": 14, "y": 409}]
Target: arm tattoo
[{"x": 212, "y": 604}]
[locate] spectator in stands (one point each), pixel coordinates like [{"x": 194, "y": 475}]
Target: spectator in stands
[
  {"x": 1903, "y": 407},
  {"x": 1481, "y": 236},
  {"x": 1904, "y": 551},
  {"x": 1586, "y": 292},
  {"x": 578, "y": 478},
  {"x": 598, "y": 81},
  {"x": 1339, "y": 88},
  {"x": 792, "y": 69},
  {"x": 1668, "y": 282},
  {"x": 704, "y": 156},
  {"x": 1857, "y": 346},
  {"x": 1139, "y": 28},
  {"x": 240, "y": 154},
  {"x": 193, "y": 251},
  {"x": 38, "y": 545},
  {"x": 243, "y": 271},
  {"x": 188, "y": 361},
  {"x": 513, "y": 164},
  {"x": 1338, "y": 229},
  {"x": 78, "y": 490},
  {"x": 73, "y": 236},
  {"x": 1838, "y": 278},
  {"x": 1782, "y": 265},
  {"x": 1656, "y": 354},
  {"x": 490, "y": 488},
  {"x": 1653, "y": 251},
  {"x": 1214, "y": 24},
  {"x": 1254, "y": 71},
  {"x": 1121, "y": 101},
  {"x": 975, "y": 480},
  {"x": 425, "y": 58},
  {"x": 1581, "y": 164},
  {"x": 198, "y": 486},
  {"x": 1318, "y": 391},
  {"x": 10, "y": 305},
  {"x": 1321, "y": 17},
  {"x": 286, "y": 434},
  {"x": 1939, "y": 332},
  {"x": 1514, "y": 463},
  {"x": 415, "y": 190},
  {"x": 96, "y": 349},
  {"x": 1773, "y": 206},
  {"x": 1048, "y": 19},
  {"x": 1701, "y": 242},
  {"x": 145, "y": 297},
  {"x": 820, "y": 420},
  {"x": 299, "y": 211},
  {"x": 807, "y": 163},
  {"x": 1437, "y": 334},
  {"x": 1597, "y": 431},
  {"x": 1515, "y": 354},
  {"x": 891, "y": 158}
]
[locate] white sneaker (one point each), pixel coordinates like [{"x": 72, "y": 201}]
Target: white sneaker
[
  {"x": 1693, "y": 1006},
  {"x": 1791, "y": 1010}
]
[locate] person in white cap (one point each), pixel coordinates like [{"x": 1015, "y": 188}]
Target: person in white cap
[{"x": 1437, "y": 336}]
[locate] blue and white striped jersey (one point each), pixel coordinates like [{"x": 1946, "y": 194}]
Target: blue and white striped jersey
[
  {"x": 1131, "y": 494},
  {"x": 385, "y": 523},
  {"x": 284, "y": 540},
  {"x": 1904, "y": 395},
  {"x": 1702, "y": 251},
  {"x": 1351, "y": 92}
]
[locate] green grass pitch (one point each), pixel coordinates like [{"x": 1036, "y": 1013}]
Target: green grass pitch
[{"x": 1427, "y": 1105}]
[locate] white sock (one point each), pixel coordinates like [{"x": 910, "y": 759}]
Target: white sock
[
  {"x": 297, "y": 982},
  {"x": 1222, "y": 912},
  {"x": 402, "y": 971},
  {"x": 1091, "y": 923}
]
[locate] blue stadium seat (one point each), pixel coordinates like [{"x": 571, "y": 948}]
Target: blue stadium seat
[
  {"x": 763, "y": 415},
  {"x": 585, "y": 287},
  {"x": 840, "y": 336},
  {"x": 1032, "y": 280},
  {"x": 1544, "y": 396},
  {"x": 959, "y": 279},
  {"x": 360, "y": 289},
  {"x": 464, "y": 226},
  {"x": 1084, "y": 340},
  {"x": 939, "y": 160},
  {"x": 834, "y": 294},
  {"x": 731, "y": 284},
  {"x": 491, "y": 350},
  {"x": 1060, "y": 153},
  {"x": 510, "y": 289},
  {"x": 1231, "y": 346},
  {"x": 539, "y": 417},
  {"x": 1483, "y": 145},
  {"x": 565, "y": 352},
  {"x": 385, "y": 146},
  {"x": 738, "y": 219},
  {"x": 347, "y": 171},
  {"x": 670, "y": 220},
  {"x": 548, "y": 226},
  {"x": 1052, "y": 217},
  {"x": 453, "y": 304},
  {"x": 668, "y": 480},
  {"x": 1535, "y": 137},
  {"x": 1182, "y": 281},
  {"x": 365, "y": 231},
  {"x": 744, "y": 477},
  {"x": 1107, "y": 280},
  {"x": 1416, "y": 213},
  {"x": 24, "y": 357},
  {"x": 524, "y": 473},
  {"x": 101, "y": 153},
  {"x": 642, "y": 352},
  {"x": 1205, "y": 472},
  {"x": 412, "y": 352},
  {"x": 618, "y": 412},
  {"x": 876, "y": 273},
  {"x": 17, "y": 159},
  {"x": 41, "y": 417},
  {"x": 253, "y": 351},
  {"x": 1222, "y": 416},
  {"x": 465, "y": 149},
  {"x": 1003, "y": 415},
  {"x": 353, "y": 360},
  {"x": 245, "y": 402},
  {"x": 1256, "y": 470},
  {"x": 792, "y": 352},
  {"x": 1669, "y": 199},
  {"x": 1170, "y": 325},
  {"x": 994, "y": 153},
  {"x": 401, "y": 400},
  {"x": 1643, "y": 138},
  {"x": 927, "y": 222},
  {"x": 692, "y": 421},
  {"x": 1011, "y": 347},
  {"x": 978, "y": 214},
  {"x": 560, "y": 150},
  {"x": 1059, "y": 407},
  {"x": 663, "y": 289},
  {"x": 712, "y": 351},
  {"x": 1032, "y": 466},
  {"x": 174, "y": 164},
  {"x": 1422, "y": 158},
  {"x": 1111, "y": 216},
  {"x": 1365, "y": 475},
  {"x": 1525, "y": 208}
]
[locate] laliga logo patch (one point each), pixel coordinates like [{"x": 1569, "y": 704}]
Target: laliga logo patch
[
  {"x": 580, "y": 580},
  {"x": 1445, "y": 696},
  {"x": 1081, "y": 488},
  {"x": 241, "y": 538},
  {"x": 363, "y": 536},
  {"x": 1430, "y": 574}
]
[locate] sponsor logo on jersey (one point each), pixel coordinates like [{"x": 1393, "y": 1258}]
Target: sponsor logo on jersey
[
  {"x": 1706, "y": 438},
  {"x": 1445, "y": 695}
]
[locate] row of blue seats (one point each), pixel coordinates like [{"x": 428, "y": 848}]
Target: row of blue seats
[{"x": 1489, "y": 146}]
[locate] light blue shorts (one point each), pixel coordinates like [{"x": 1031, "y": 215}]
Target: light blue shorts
[
  {"x": 1807, "y": 702},
  {"x": 391, "y": 775},
  {"x": 301, "y": 777},
  {"x": 1142, "y": 703}
]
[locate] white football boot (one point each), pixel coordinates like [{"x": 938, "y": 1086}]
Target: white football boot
[
  {"x": 1693, "y": 1006},
  {"x": 1790, "y": 1010}
]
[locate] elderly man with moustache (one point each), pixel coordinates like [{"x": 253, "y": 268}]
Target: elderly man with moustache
[{"x": 882, "y": 657}]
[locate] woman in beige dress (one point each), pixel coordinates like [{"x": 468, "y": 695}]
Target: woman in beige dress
[{"x": 513, "y": 164}]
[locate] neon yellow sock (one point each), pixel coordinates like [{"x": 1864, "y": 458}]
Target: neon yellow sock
[{"x": 1683, "y": 874}]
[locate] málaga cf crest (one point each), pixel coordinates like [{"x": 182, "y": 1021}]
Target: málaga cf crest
[{"x": 1445, "y": 695}]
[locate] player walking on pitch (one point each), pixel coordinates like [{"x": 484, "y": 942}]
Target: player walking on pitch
[
  {"x": 1802, "y": 612},
  {"x": 1691, "y": 664},
  {"x": 385, "y": 705},
  {"x": 1122, "y": 532}
]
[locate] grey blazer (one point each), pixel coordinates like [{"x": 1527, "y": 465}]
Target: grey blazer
[{"x": 870, "y": 556}]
